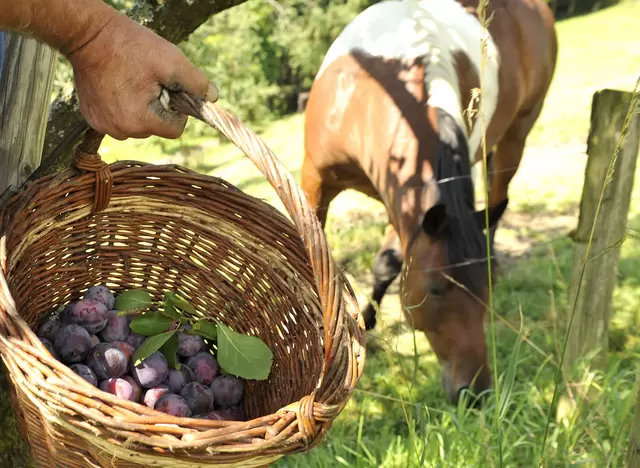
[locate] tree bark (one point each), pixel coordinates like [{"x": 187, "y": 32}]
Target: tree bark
[
  {"x": 589, "y": 330},
  {"x": 174, "y": 20}
]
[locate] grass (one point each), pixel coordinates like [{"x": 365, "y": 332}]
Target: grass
[{"x": 392, "y": 422}]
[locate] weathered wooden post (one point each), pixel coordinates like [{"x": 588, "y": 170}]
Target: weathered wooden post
[
  {"x": 25, "y": 95},
  {"x": 25, "y": 84},
  {"x": 589, "y": 330}
]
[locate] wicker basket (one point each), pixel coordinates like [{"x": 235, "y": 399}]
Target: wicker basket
[{"x": 235, "y": 257}]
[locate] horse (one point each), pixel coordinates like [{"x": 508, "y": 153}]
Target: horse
[{"x": 394, "y": 112}]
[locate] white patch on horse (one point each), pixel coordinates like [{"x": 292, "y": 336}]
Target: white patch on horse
[{"x": 433, "y": 30}]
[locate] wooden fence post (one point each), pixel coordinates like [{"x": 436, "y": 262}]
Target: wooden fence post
[
  {"x": 589, "y": 330},
  {"x": 25, "y": 95}
]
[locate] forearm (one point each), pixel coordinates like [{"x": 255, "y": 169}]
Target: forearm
[{"x": 65, "y": 25}]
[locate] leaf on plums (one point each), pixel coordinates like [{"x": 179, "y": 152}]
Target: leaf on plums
[
  {"x": 205, "y": 329},
  {"x": 241, "y": 355},
  {"x": 178, "y": 303},
  {"x": 133, "y": 300},
  {"x": 169, "y": 349},
  {"x": 170, "y": 310},
  {"x": 150, "y": 346},
  {"x": 151, "y": 324}
]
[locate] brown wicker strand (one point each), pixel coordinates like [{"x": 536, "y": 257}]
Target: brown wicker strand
[{"x": 86, "y": 158}]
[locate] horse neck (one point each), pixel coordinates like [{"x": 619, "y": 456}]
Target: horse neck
[{"x": 409, "y": 196}]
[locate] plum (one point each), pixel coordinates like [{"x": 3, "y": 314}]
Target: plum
[
  {"x": 232, "y": 413},
  {"x": 101, "y": 294},
  {"x": 188, "y": 345},
  {"x": 177, "y": 379},
  {"x": 152, "y": 371},
  {"x": 125, "y": 347},
  {"x": 86, "y": 373},
  {"x": 174, "y": 405},
  {"x": 137, "y": 391},
  {"x": 135, "y": 340},
  {"x": 47, "y": 344},
  {"x": 49, "y": 330},
  {"x": 204, "y": 366},
  {"x": 198, "y": 397},
  {"x": 227, "y": 390},
  {"x": 72, "y": 344},
  {"x": 88, "y": 313},
  {"x": 95, "y": 341},
  {"x": 153, "y": 394},
  {"x": 116, "y": 329},
  {"x": 107, "y": 361},
  {"x": 215, "y": 416},
  {"x": 118, "y": 387}
]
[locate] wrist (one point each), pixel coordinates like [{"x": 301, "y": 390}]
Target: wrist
[
  {"x": 93, "y": 20},
  {"x": 65, "y": 25}
]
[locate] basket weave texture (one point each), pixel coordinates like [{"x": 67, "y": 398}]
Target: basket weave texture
[{"x": 235, "y": 257}]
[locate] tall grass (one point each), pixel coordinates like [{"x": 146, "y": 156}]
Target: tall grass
[{"x": 484, "y": 21}]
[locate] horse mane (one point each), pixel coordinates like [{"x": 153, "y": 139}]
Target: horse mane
[{"x": 465, "y": 241}]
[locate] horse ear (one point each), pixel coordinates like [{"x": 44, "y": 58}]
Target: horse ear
[
  {"x": 435, "y": 220},
  {"x": 495, "y": 213}
]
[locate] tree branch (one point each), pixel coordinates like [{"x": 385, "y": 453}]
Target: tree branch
[{"x": 174, "y": 20}]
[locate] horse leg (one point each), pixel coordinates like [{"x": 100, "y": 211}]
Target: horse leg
[
  {"x": 507, "y": 159},
  {"x": 386, "y": 267},
  {"x": 319, "y": 193}
]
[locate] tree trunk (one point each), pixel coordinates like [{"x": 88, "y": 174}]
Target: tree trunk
[
  {"x": 25, "y": 90},
  {"x": 589, "y": 330},
  {"x": 173, "y": 20}
]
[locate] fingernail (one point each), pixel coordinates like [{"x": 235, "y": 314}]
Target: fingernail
[{"x": 212, "y": 93}]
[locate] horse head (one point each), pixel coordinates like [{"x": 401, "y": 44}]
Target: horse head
[
  {"x": 445, "y": 286},
  {"x": 445, "y": 293}
]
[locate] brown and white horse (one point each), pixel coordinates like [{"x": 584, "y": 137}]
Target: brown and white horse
[{"x": 387, "y": 116}]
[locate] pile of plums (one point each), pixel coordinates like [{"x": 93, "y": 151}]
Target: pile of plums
[{"x": 96, "y": 343}]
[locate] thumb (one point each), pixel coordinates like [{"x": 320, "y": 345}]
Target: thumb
[{"x": 184, "y": 75}]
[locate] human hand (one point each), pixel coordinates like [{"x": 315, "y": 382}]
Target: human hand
[{"x": 119, "y": 74}]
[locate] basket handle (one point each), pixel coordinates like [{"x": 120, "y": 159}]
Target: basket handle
[
  {"x": 330, "y": 280},
  {"x": 86, "y": 158}
]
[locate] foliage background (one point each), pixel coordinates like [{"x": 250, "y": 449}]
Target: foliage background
[{"x": 263, "y": 53}]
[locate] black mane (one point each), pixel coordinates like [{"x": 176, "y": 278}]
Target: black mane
[{"x": 466, "y": 243}]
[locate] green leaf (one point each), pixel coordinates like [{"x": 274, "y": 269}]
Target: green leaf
[
  {"x": 150, "y": 324},
  {"x": 241, "y": 355},
  {"x": 151, "y": 345},
  {"x": 133, "y": 300},
  {"x": 170, "y": 310},
  {"x": 169, "y": 349},
  {"x": 179, "y": 303},
  {"x": 204, "y": 329}
]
